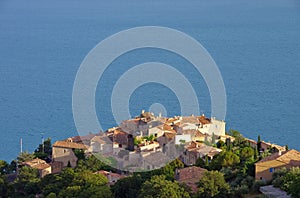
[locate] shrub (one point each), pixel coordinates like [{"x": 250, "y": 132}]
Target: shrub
[{"x": 257, "y": 185}]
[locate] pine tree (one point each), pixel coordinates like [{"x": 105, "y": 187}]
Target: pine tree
[
  {"x": 206, "y": 161},
  {"x": 256, "y": 153},
  {"x": 286, "y": 147},
  {"x": 258, "y": 144}
]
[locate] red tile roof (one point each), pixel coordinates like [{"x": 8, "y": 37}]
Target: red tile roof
[
  {"x": 120, "y": 137},
  {"x": 190, "y": 119},
  {"x": 169, "y": 134},
  {"x": 68, "y": 144},
  {"x": 79, "y": 139},
  {"x": 204, "y": 120},
  {"x": 37, "y": 163},
  {"x": 103, "y": 139},
  {"x": 190, "y": 176},
  {"x": 291, "y": 157}
]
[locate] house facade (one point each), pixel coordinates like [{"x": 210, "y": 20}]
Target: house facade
[
  {"x": 265, "y": 168},
  {"x": 101, "y": 144},
  {"x": 63, "y": 151},
  {"x": 41, "y": 165},
  {"x": 195, "y": 150}
]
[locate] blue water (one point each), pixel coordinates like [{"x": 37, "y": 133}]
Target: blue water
[{"x": 255, "y": 44}]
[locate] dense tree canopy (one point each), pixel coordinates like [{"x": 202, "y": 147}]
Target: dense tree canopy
[
  {"x": 213, "y": 184},
  {"x": 25, "y": 156},
  {"x": 231, "y": 175},
  {"x": 247, "y": 153},
  {"x": 288, "y": 180},
  {"x": 44, "y": 150},
  {"x": 158, "y": 186},
  {"x": 128, "y": 187}
]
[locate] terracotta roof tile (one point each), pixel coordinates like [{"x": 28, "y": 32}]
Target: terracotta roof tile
[
  {"x": 288, "y": 157},
  {"x": 190, "y": 173},
  {"x": 37, "y": 163},
  {"x": 204, "y": 120},
  {"x": 68, "y": 144},
  {"x": 196, "y": 147},
  {"x": 170, "y": 134},
  {"x": 193, "y": 132},
  {"x": 120, "y": 136},
  {"x": 190, "y": 119},
  {"x": 190, "y": 176},
  {"x": 79, "y": 139},
  {"x": 41, "y": 166},
  {"x": 103, "y": 139}
]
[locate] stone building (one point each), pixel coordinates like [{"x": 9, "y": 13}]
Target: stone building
[
  {"x": 265, "y": 168},
  {"x": 40, "y": 165},
  {"x": 63, "y": 151}
]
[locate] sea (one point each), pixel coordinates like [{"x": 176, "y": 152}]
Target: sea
[{"x": 255, "y": 44}]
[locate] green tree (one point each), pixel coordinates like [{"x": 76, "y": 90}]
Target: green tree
[
  {"x": 27, "y": 182},
  {"x": 169, "y": 169},
  {"x": 230, "y": 159},
  {"x": 51, "y": 195},
  {"x": 25, "y": 156},
  {"x": 292, "y": 175},
  {"x": 286, "y": 147},
  {"x": 87, "y": 178},
  {"x": 79, "y": 154},
  {"x": 238, "y": 137},
  {"x": 247, "y": 153},
  {"x": 258, "y": 144},
  {"x": 26, "y": 173},
  {"x": 149, "y": 138},
  {"x": 75, "y": 183},
  {"x": 96, "y": 192},
  {"x": 3, "y": 186},
  {"x": 53, "y": 183},
  {"x": 158, "y": 186},
  {"x": 127, "y": 187},
  {"x": 44, "y": 150},
  {"x": 137, "y": 141},
  {"x": 277, "y": 177},
  {"x": 200, "y": 162},
  {"x": 4, "y": 167},
  {"x": 256, "y": 154},
  {"x": 213, "y": 184},
  {"x": 221, "y": 144},
  {"x": 206, "y": 161},
  {"x": 224, "y": 159},
  {"x": 94, "y": 164},
  {"x": 70, "y": 192},
  {"x": 177, "y": 163},
  {"x": 294, "y": 189}
]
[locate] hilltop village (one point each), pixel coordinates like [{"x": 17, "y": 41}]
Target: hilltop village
[
  {"x": 183, "y": 149},
  {"x": 147, "y": 142}
]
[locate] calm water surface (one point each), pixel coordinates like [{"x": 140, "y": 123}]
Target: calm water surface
[{"x": 256, "y": 45}]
